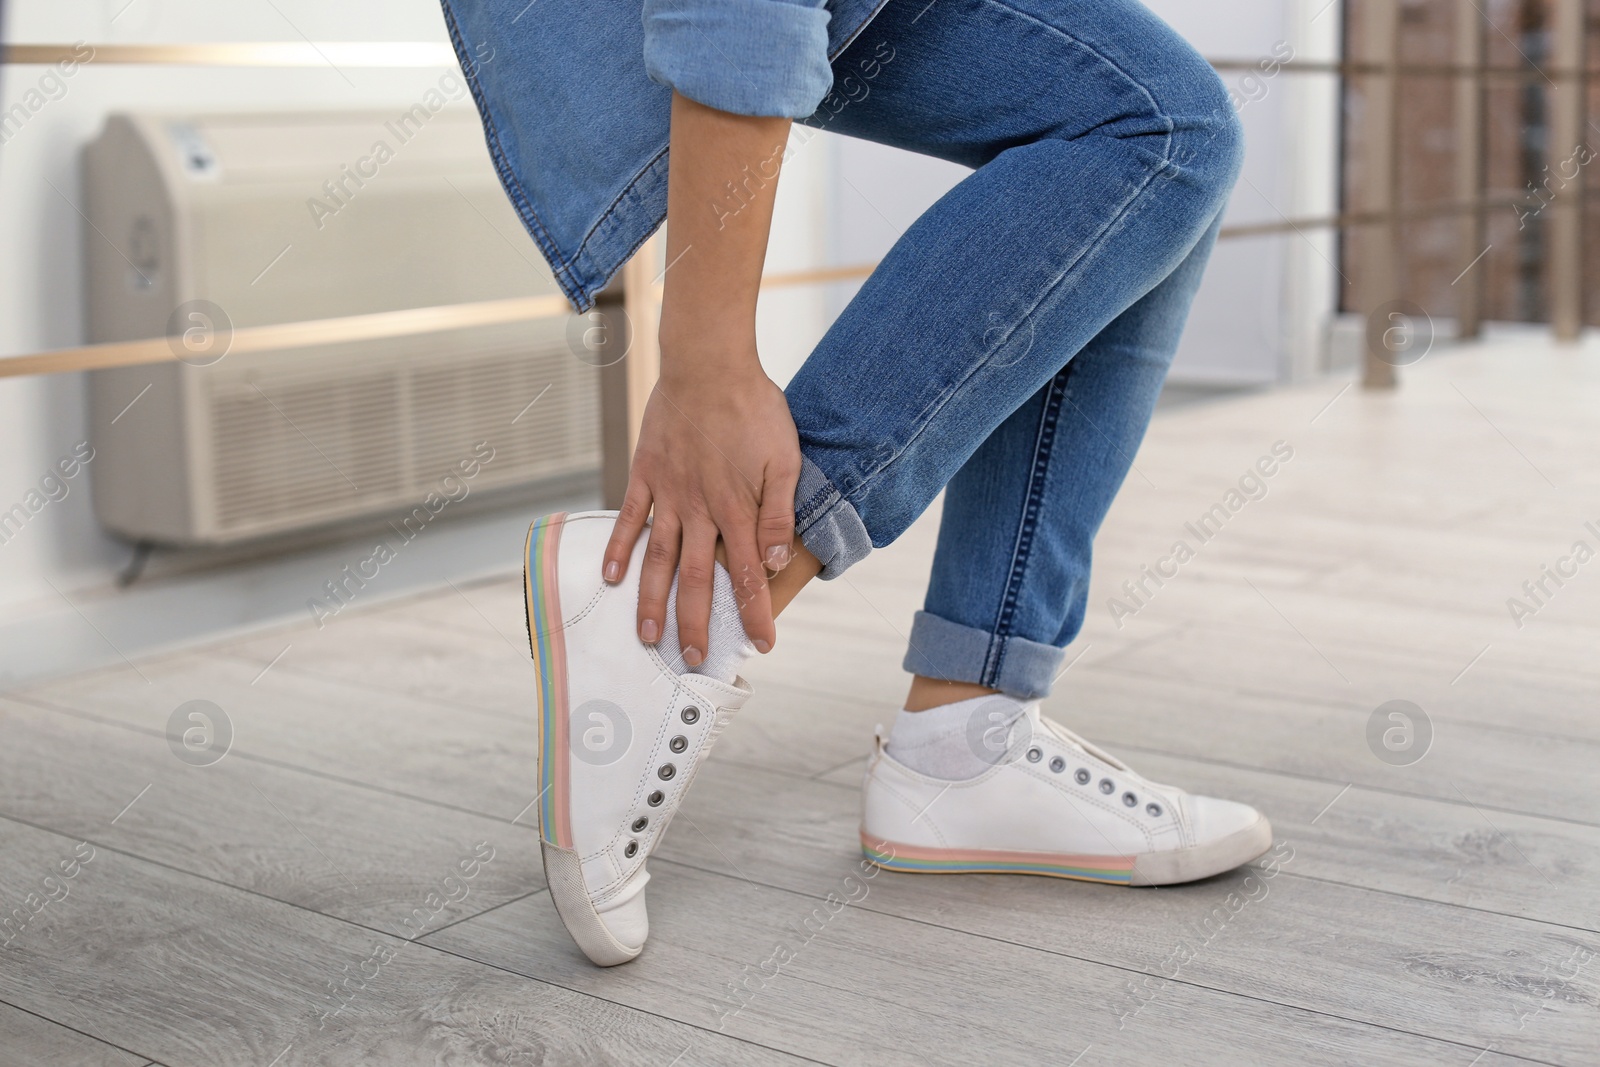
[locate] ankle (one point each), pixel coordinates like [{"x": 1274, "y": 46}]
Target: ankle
[
  {"x": 929, "y": 693},
  {"x": 784, "y": 586}
]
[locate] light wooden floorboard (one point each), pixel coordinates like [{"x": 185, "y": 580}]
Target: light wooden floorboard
[
  {"x": 187, "y": 972},
  {"x": 1438, "y": 913},
  {"x": 449, "y": 754},
  {"x": 317, "y": 843},
  {"x": 863, "y": 987},
  {"x": 31, "y": 1041}
]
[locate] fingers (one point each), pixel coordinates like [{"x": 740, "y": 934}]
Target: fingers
[
  {"x": 775, "y": 522},
  {"x": 655, "y": 578},
  {"x": 625, "y": 531},
  {"x": 750, "y": 590},
  {"x": 696, "y": 567}
]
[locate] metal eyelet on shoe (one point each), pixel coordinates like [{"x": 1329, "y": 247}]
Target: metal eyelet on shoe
[
  {"x": 640, "y": 823},
  {"x": 655, "y": 799},
  {"x": 632, "y": 850},
  {"x": 1035, "y": 755},
  {"x": 667, "y": 770},
  {"x": 1107, "y": 786},
  {"x": 679, "y": 743},
  {"x": 690, "y": 715},
  {"x": 1153, "y": 810},
  {"x": 1130, "y": 800},
  {"x": 1082, "y": 777},
  {"x": 1058, "y": 765}
]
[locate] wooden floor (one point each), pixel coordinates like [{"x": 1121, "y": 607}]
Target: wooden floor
[{"x": 303, "y": 899}]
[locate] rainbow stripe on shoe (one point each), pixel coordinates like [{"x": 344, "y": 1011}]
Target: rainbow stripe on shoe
[
  {"x": 546, "y": 640},
  {"x": 917, "y": 859}
]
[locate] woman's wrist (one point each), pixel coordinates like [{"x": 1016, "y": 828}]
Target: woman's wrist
[
  {"x": 714, "y": 349},
  {"x": 701, "y": 371},
  {"x": 697, "y": 322}
]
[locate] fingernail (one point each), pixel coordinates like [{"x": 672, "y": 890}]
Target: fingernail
[
  {"x": 613, "y": 571},
  {"x": 692, "y": 656},
  {"x": 777, "y": 557},
  {"x": 648, "y": 633},
  {"x": 761, "y": 646}
]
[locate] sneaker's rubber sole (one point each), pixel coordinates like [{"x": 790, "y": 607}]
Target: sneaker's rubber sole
[
  {"x": 563, "y": 868},
  {"x": 547, "y": 643},
  {"x": 1151, "y": 868}
]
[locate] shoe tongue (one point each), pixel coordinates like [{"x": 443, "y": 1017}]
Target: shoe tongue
[{"x": 719, "y": 694}]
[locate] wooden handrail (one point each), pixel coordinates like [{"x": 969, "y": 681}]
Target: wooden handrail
[
  {"x": 240, "y": 54},
  {"x": 404, "y": 323},
  {"x": 819, "y": 276}
]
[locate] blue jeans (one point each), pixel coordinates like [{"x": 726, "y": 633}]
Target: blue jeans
[{"x": 1010, "y": 348}]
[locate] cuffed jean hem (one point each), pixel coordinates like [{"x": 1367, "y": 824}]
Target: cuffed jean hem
[
  {"x": 827, "y": 523},
  {"x": 951, "y": 652}
]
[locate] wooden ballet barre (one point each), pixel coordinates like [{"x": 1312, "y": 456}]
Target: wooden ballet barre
[
  {"x": 239, "y": 54},
  {"x": 287, "y": 335}
]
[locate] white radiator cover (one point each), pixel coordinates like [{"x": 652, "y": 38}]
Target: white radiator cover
[{"x": 234, "y": 210}]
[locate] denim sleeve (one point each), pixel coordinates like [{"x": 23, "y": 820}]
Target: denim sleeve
[{"x": 751, "y": 57}]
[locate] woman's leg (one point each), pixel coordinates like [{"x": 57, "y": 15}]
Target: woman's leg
[
  {"x": 1004, "y": 598},
  {"x": 1092, "y": 189},
  {"x": 1010, "y": 578}
]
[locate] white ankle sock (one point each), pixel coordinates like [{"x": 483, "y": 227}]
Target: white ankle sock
[
  {"x": 954, "y": 741},
  {"x": 729, "y": 645}
]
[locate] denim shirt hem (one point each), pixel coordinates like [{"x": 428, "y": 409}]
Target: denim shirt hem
[{"x": 611, "y": 231}]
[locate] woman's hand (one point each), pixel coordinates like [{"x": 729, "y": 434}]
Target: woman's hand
[{"x": 718, "y": 456}]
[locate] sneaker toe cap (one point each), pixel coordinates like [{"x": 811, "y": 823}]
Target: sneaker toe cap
[
  {"x": 627, "y": 921},
  {"x": 1214, "y": 818}
]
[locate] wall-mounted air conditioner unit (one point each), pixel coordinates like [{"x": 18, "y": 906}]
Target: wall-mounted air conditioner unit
[{"x": 202, "y": 221}]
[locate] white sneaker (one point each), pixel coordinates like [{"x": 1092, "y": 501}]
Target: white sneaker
[
  {"x": 621, "y": 734},
  {"x": 1054, "y": 805}
]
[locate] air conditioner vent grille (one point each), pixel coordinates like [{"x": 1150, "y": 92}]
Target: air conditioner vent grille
[
  {"x": 325, "y": 441},
  {"x": 488, "y": 399},
  {"x": 309, "y": 448}
]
